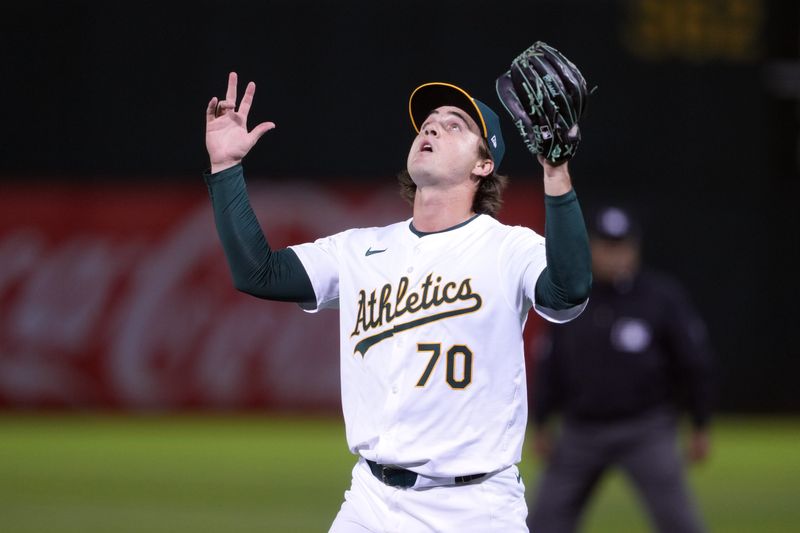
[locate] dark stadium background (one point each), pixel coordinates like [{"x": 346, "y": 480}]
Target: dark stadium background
[{"x": 694, "y": 123}]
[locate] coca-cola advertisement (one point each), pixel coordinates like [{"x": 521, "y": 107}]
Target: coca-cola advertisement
[{"x": 120, "y": 297}]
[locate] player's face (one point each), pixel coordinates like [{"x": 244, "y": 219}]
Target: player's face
[{"x": 446, "y": 149}]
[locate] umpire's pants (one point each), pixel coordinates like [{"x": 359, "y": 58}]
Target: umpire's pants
[{"x": 645, "y": 448}]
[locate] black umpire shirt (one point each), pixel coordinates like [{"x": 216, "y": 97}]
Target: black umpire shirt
[{"x": 636, "y": 347}]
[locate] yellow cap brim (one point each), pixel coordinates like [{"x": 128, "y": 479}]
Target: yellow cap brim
[{"x": 430, "y": 96}]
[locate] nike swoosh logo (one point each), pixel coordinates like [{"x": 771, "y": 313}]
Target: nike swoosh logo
[{"x": 370, "y": 251}]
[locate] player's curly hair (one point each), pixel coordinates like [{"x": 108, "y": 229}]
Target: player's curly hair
[{"x": 488, "y": 198}]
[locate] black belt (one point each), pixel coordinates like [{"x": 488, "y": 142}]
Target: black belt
[{"x": 400, "y": 477}]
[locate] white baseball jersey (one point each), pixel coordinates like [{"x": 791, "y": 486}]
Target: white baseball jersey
[{"x": 432, "y": 363}]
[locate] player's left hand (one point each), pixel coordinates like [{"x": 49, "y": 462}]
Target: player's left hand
[
  {"x": 545, "y": 94},
  {"x": 227, "y": 138}
]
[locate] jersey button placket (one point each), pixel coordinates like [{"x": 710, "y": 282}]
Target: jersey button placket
[
  {"x": 394, "y": 397},
  {"x": 415, "y": 257},
  {"x": 398, "y": 353}
]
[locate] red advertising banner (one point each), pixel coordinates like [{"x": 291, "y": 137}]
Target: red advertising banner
[{"x": 119, "y": 296}]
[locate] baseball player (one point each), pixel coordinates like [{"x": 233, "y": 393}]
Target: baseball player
[{"x": 431, "y": 308}]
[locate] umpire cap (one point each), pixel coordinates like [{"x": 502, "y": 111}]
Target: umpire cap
[
  {"x": 429, "y": 96},
  {"x": 613, "y": 223}
]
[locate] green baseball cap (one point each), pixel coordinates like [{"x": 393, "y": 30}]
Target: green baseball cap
[{"x": 429, "y": 96}]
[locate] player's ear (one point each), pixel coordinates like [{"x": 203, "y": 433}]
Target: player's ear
[{"x": 483, "y": 167}]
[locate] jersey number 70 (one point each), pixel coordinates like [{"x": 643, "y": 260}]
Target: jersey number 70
[{"x": 452, "y": 359}]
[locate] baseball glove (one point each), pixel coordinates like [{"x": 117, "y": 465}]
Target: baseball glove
[{"x": 545, "y": 94}]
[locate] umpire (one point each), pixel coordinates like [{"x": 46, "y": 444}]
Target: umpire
[{"x": 619, "y": 374}]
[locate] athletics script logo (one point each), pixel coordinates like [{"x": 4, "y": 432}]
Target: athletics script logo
[{"x": 384, "y": 307}]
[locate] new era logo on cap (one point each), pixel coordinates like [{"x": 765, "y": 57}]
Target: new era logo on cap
[{"x": 493, "y": 140}]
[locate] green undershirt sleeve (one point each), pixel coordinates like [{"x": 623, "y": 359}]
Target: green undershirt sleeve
[
  {"x": 567, "y": 279},
  {"x": 256, "y": 269}
]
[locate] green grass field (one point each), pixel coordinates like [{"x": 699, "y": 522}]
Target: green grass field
[{"x": 197, "y": 474}]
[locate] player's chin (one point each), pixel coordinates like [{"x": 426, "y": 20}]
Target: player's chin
[
  {"x": 421, "y": 175},
  {"x": 420, "y": 164},
  {"x": 413, "y": 162}
]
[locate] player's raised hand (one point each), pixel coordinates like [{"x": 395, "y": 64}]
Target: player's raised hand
[{"x": 227, "y": 138}]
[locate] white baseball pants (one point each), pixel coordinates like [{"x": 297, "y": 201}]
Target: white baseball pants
[{"x": 494, "y": 503}]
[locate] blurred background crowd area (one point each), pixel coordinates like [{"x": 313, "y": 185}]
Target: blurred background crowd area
[{"x": 114, "y": 292}]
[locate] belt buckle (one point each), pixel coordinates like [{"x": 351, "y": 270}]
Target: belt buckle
[{"x": 384, "y": 477}]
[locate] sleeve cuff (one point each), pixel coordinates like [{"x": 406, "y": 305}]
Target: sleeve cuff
[
  {"x": 222, "y": 175},
  {"x": 559, "y": 316},
  {"x": 566, "y": 198}
]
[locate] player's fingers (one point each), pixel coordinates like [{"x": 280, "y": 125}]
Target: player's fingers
[
  {"x": 261, "y": 129},
  {"x": 211, "y": 109},
  {"x": 247, "y": 99},
  {"x": 230, "y": 95},
  {"x": 223, "y": 106}
]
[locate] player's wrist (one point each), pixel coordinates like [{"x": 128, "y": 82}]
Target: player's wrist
[
  {"x": 557, "y": 181},
  {"x": 223, "y": 165}
]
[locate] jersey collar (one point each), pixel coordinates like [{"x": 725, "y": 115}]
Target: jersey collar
[{"x": 418, "y": 233}]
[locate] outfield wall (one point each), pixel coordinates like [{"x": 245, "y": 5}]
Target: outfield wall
[{"x": 119, "y": 297}]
